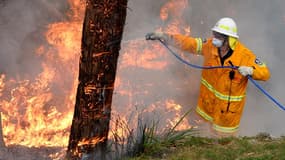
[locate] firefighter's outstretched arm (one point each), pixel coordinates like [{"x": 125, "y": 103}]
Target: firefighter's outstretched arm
[{"x": 186, "y": 43}]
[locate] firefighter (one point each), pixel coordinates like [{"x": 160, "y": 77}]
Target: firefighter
[{"x": 222, "y": 91}]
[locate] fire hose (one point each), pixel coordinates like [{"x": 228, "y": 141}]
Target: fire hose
[{"x": 231, "y": 67}]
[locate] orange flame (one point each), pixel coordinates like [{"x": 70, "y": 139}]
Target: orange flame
[
  {"x": 177, "y": 109},
  {"x": 136, "y": 54},
  {"x": 2, "y": 84},
  {"x": 172, "y": 12},
  {"x": 38, "y": 112},
  {"x": 92, "y": 141}
]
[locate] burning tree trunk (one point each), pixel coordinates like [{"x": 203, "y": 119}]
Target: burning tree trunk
[{"x": 102, "y": 33}]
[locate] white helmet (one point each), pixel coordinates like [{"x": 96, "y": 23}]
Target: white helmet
[{"x": 226, "y": 26}]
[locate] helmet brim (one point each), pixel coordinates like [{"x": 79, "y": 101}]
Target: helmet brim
[{"x": 225, "y": 33}]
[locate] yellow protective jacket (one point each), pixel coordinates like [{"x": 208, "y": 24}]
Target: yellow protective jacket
[{"x": 221, "y": 99}]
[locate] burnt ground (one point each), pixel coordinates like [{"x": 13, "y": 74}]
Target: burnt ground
[{"x": 18, "y": 152}]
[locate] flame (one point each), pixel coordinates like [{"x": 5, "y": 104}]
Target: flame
[
  {"x": 2, "y": 84},
  {"x": 89, "y": 141},
  {"x": 172, "y": 14},
  {"x": 172, "y": 106},
  {"x": 39, "y": 111},
  {"x": 140, "y": 55},
  {"x": 65, "y": 38},
  {"x": 136, "y": 54}
]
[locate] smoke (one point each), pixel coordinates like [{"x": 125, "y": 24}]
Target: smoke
[
  {"x": 22, "y": 25},
  {"x": 261, "y": 28},
  {"x": 32, "y": 69}
]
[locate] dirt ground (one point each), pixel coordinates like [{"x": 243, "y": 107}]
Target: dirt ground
[{"x": 16, "y": 152}]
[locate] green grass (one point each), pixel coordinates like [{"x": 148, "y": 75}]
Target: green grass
[
  {"x": 186, "y": 145},
  {"x": 233, "y": 148}
]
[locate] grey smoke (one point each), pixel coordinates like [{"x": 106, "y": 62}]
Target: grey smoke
[{"x": 22, "y": 24}]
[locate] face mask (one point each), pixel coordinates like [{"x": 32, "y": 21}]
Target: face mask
[{"x": 217, "y": 42}]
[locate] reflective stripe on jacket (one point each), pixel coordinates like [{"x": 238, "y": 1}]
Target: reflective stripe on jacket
[{"x": 217, "y": 90}]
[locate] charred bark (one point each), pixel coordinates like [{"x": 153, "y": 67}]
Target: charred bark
[{"x": 102, "y": 33}]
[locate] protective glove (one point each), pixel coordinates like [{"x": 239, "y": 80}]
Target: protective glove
[
  {"x": 156, "y": 36},
  {"x": 244, "y": 70}
]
